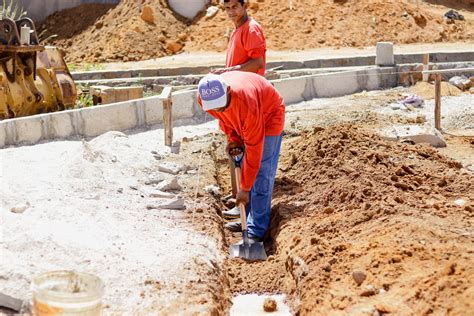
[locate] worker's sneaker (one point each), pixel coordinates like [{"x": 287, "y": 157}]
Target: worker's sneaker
[
  {"x": 254, "y": 239},
  {"x": 234, "y": 227},
  {"x": 232, "y": 213}
]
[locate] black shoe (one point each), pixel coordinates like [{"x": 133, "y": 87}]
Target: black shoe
[
  {"x": 234, "y": 227},
  {"x": 232, "y": 213},
  {"x": 254, "y": 239}
]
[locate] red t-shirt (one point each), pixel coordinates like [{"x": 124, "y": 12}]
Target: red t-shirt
[
  {"x": 256, "y": 110},
  {"x": 246, "y": 42}
]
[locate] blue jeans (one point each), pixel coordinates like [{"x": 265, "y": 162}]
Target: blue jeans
[{"x": 259, "y": 207}]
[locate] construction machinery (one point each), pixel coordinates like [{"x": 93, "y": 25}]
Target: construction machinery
[{"x": 33, "y": 78}]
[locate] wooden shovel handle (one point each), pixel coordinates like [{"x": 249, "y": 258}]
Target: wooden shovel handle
[{"x": 243, "y": 213}]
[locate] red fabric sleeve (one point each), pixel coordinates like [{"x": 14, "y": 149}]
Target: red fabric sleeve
[
  {"x": 255, "y": 42},
  {"x": 253, "y": 136}
]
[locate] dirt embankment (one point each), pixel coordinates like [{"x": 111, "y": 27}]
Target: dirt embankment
[
  {"x": 125, "y": 32},
  {"x": 349, "y": 206},
  {"x": 140, "y": 30}
]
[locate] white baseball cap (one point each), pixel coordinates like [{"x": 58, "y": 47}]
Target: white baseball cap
[{"x": 213, "y": 92}]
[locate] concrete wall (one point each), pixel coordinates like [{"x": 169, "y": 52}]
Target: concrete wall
[
  {"x": 93, "y": 121},
  {"x": 286, "y": 65},
  {"x": 337, "y": 84},
  {"x": 40, "y": 9}
]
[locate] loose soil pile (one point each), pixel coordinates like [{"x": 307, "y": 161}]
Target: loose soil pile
[
  {"x": 361, "y": 225},
  {"x": 124, "y": 33},
  {"x": 149, "y": 29}
]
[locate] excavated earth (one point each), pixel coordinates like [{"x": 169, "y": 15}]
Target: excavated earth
[
  {"x": 140, "y": 30},
  {"x": 360, "y": 225},
  {"x": 397, "y": 216}
]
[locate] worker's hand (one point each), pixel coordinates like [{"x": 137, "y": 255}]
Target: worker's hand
[
  {"x": 233, "y": 149},
  {"x": 242, "y": 197}
]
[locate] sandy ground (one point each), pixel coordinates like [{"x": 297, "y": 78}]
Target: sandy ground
[{"x": 83, "y": 205}]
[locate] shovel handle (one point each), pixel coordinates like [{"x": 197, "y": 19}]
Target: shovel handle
[{"x": 243, "y": 213}]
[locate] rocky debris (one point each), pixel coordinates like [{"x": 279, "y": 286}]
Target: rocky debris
[
  {"x": 453, "y": 15},
  {"x": 169, "y": 204},
  {"x": 156, "y": 179},
  {"x": 359, "y": 276},
  {"x": 270, "y": 305},
  {"x": 20, "y": 209},
  {"x": 156, "y": 155},
  {"x": 161, "y": 194},
  {"x": 10, "y": 302},
  {"x": 460, "y": 82},
  {"x": 369, "y": 290},
  {"x": 171, "y": 167},
  {"x": 170, "y": 185},
  {"x": 212, "y": 189},
  {"x": 174, "y": 46},
  {"x": 415, "y": 133},
  {"x": 211, "y": 11},
  {"x": 148, "y": 15}
]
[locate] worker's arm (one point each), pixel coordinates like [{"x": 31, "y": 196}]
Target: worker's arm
[{"x": 253, "y": 65}]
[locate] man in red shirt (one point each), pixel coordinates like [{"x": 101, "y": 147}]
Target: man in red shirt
[
  {"x": 251, "y": 113},
  {"x": 247, "y": 48}
]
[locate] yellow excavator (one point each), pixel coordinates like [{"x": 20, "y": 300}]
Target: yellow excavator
[{"x": 33, "y": 78}]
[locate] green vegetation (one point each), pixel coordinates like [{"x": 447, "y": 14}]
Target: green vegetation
[
  {"x": 11, "y": 9},
  {"x": 84, "y": 101},
  {"x": 72, "y": 67},
  {"x": 91, "y": 67}
]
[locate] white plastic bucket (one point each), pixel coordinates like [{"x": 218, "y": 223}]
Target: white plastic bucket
[{"x": 67, "y": 293}]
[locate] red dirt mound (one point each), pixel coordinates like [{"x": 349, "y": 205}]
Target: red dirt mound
[
  {"x": 123, "y": 33},
  {"x": 138, "y": 30},
  {"x": 355, "y": 23},
  {"x": 366, "y": 226}
]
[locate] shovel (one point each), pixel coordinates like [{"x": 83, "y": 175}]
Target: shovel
[{"x": 245, "y": 249}]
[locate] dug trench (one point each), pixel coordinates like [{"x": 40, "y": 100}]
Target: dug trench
[{"x": 360, "y": 226}]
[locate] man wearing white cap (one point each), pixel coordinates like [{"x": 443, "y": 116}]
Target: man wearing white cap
[{"x": 251, "y": 113}]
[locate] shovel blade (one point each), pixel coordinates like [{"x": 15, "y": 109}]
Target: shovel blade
[{"x": 248, "y": 251}]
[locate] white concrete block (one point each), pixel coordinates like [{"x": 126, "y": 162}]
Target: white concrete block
[
  {"x": 373, "y": 80},
  {"x": 104, "y": 118},
  {"x": 183, "y": 104},
  {"x": 292, "y": 90},
  {"x": 28, "y": 130},
  {"x": 334, "y": 85},
  {"x": 384, "y": 54},
  {"x": 153, "y": 108},
  {"x": 3, "y": 134},
  {"x": 57, "y": 125}
]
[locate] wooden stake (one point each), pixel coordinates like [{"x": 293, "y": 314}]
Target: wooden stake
[
  {"x": 167, "y": 115},
  {"x": 438, "y": 102}
]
